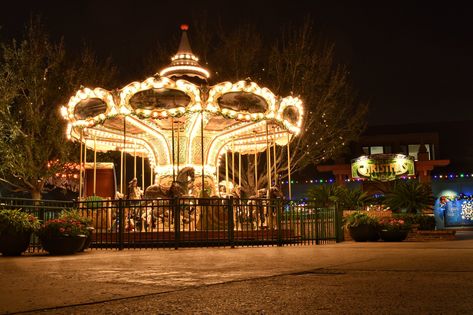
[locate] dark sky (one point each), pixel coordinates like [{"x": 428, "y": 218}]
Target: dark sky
[{"x": 413, "y": 61}]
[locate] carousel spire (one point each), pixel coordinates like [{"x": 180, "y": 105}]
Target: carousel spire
[{"x": 184, "y": 62}]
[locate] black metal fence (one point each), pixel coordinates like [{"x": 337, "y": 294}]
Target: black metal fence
[{"x": 185, "y": 222}]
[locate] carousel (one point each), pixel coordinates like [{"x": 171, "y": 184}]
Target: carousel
[{"x": 183, "y": 130}]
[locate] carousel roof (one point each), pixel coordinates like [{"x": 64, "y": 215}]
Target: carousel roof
[
  {"x": 184, "y": 62},
  {"x": 144, "y": 117}
]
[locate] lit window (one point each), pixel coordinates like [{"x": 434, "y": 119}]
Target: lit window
[{"x": 376, "y": 150}]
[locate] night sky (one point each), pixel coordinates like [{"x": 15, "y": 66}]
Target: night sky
[{"x": 413, "y": 61}]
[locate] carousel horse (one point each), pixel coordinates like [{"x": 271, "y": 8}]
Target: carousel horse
[
  {"x": 266, "y": 208},
  {"x": 163, "y": 209}
]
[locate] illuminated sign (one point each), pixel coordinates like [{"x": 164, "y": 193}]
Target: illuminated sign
[{"x": 382, "y": 167}]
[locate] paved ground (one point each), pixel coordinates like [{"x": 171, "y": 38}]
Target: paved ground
[{"x": 345, "y": 278}]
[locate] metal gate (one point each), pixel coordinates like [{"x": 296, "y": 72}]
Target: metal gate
[{"x": 186, "y": 222}]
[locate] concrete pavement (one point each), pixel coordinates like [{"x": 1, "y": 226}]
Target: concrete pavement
[{"x": 344, "y": 278}]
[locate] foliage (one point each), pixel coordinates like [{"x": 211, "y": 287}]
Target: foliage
[
  {"x": 410, "y": 197},
  {"x": 324, "y": 195},
  {"x": 393, "y": 224},
  {"x": 93, "y": 202},
  {"x": 62, "y": 228},
  {"x": 425, "y": 222},
  {"x": 353, "y": 199},
  {"x": 75, "y": 215},
  {"x": 16, "y": 220},
  {"x": 357, "y": 218},
  {"x": 347, "y": 199},
  {"x": 36, "y": 77}
]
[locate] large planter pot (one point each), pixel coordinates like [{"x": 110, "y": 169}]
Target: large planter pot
[
  {"x": 63, "y": 245},
  {"x": 393, "y": 236},
  {"x": 14, "y": 243},
  {"x": 88, "y": 239},
  {"x": 364, "y": 233}
]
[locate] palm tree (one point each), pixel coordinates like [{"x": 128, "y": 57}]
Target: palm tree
[{"x": 410, "y": 197}]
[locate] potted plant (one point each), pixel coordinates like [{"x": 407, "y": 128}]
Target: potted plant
[
  {"x": 76, "y": 215},
  {"x": 362, "y": 227},
  {"x": 16, "y": 228},
  {"x": 393, "y": 229},
  {"x": 62, "y": 236}
]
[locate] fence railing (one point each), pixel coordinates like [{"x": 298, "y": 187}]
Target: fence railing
[{"x": 185, "y": 222}]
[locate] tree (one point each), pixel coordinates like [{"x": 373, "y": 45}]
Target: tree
[
  {"x": 35, "y": 79},
  {"x": 299, "y": 64}
]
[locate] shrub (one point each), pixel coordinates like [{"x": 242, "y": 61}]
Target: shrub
[
  {"x": 16, "y": 220},
  {"x": 76, "y": 215},
  {"x": 425, "y": 222},
  {"x": 62, "y": 228},
  {"x": 410, "y": 197},
  {"x": 357, "y": 218}
]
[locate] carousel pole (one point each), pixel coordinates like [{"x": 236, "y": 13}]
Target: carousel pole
[
  {"x": 268, "y": 162},
  {"x": 233, "y": 161},
  {"x": 172, "y": 149},
  {"x": 85, "y": 163},
  {"x": 274, "y": 160},
  {"x": 256, "y": 167},
  {"x": 134, "y": 159},
  {"x": 121, "y": 170},
  {"x": 95, "y": 164},
  {"x": 226, "y": 171},
  {"x": 217, "y": 170},
  {"x": 80, "y": 166},
  {"x": 178, "y": 144},
  {"x": 289, "y": 166},
  {"x": 151, "y": 178},
  {"x": 124, "y": 155},
  {"x": 143, "y": 172},
  {"x": 202, "y": 149},
  {"x": 239, "y": 169}
]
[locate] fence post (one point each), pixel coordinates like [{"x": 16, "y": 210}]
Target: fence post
[
  {"x": 231, "y": 225},
  {"x": 121, "y": 224},
  {"x": 177, "y": 221}
]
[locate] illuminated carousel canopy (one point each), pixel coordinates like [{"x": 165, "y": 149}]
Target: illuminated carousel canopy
[{"x": 142, "y": 117}]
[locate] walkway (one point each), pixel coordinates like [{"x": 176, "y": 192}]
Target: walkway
[{"x": 344, "y": 278}]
